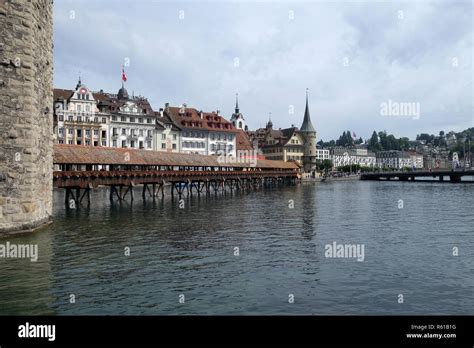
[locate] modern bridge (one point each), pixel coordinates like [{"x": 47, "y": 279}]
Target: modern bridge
[{"x": 453, "y": 176}]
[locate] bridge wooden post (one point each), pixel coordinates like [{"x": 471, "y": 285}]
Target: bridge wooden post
[{"x": 66, "y": 197}]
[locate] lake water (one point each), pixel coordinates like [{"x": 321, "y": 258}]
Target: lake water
[{"x": 408, "y": 231}]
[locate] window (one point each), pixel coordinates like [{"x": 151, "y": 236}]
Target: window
[
  {"x": 69, "y": 142},
  {"x": 148, "y": 120},
  {"x": 148, "y": 144},
  {"x": 96, "y": 132},
  {"x": 61, "y": 118},
  {"x": 174, "y": 136},
  {"x": 163, "y": 146},
  {"x": 79, "y": 118},
  {"x": 132, "y": 144},
  {"x": 70, "y": 131},
  {"x": 104, "y": 120},
  {"x": 132, "y": 119},
  {"x": 114, "y": 143},
  {"x": 88, "y": 108},
  {"x": 140, "y": 132},
  {"x": 114, "y": 118},
  {"x": 61, "y": 130},
  {"x": 88, "y": 132},
  {"x": 124, "y": 143},
  {"x": 174, "y": 146},
  {"x": 96, "y": 119},
  {"x": 104, "y": 134},
  {"x": 104, "y": 142},
  {"x": 123, "y": 119},
  {"x": 163, "y": 136},
  {"x": 87, "y": 96},
  {"x": 124, "y": 131},
  {"x": 140, "y": 120},
  {"x": 149, "y": 133},
  {"x": 78, "y": 107}
]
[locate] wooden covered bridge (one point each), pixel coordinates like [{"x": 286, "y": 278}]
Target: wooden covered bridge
[{"x": 78, "y": 169}]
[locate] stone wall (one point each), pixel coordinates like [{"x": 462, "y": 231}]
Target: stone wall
[{"x": 26, "y": 121}]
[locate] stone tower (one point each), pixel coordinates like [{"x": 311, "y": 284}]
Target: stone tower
[
  {"x": 26, "y": 121},
  {"x": 309, "y": 134}
]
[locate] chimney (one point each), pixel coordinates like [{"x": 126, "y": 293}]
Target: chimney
[
  {"x": 161, "y": 112},
  {"x": 218, "y": 112},
  {"x": 201, "y": 114}
]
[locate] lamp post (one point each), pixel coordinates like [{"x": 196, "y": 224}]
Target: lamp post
[
  {"x": 463, "y": 139},
  {"x": 469, "y": 152}
]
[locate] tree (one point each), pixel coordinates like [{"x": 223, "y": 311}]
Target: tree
[
  {"x": 374, "y": 144},
  {"x": 325, "y": 165}
]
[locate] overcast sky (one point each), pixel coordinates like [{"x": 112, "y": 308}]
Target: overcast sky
[{"x": 352, "y": 55}]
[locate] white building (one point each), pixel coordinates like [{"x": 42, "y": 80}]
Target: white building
[
  {"x": 394, "y": 159},
  {"x": 322, "y": 154},
  {"x": 167, "y": 134},
  {"x": 416, "y": 160},
  {"x": 205, "y": 133},
  {"x": 132, "y": 121},
  {"x": 341, "y": 156},
  {"x": 77, "y": 119}
]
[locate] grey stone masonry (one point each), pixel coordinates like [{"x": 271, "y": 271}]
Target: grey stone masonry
[{"x": 26, "y": 120}]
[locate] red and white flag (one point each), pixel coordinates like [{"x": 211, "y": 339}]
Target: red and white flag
[{"x": 124, "y": 77}]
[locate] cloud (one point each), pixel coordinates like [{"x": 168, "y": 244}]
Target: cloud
[{"x": 352, "y": 55}]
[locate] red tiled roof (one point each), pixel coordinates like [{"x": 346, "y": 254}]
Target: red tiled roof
[
  {"x": 243, "y": 141},
  {"x": 62, "y": 94},
  {"x": 192, "y": 119},
  {"x": 97, "y": 155}
]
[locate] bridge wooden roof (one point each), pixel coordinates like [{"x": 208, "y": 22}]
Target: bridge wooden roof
[{"x": 95, "y": 155}]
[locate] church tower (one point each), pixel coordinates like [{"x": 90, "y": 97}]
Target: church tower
[
  {"x": 237, "y": 118},
  {"x": 309, "y": 134}
]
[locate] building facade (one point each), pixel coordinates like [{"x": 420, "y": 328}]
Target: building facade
[
  {"x": 394, "y": 159},
  {"x": 342, "y": 156},
  {"x": 204, "y": 133},
  {"x": 77, "y": 119}
]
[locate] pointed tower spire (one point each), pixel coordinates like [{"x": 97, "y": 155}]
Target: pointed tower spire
[
  {"x": 307, "y": 126},
  {"x": 79, "y": 83},
  {"x": 236, "y": 103},
  {"x": 269, "y": 123}
]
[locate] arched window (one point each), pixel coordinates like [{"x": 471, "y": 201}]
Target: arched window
[{"x": 240, "y": 124}]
